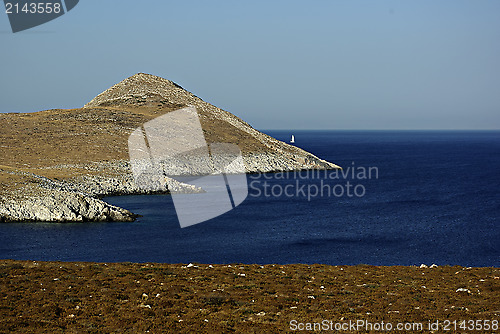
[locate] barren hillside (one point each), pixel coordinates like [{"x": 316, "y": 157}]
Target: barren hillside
[{"x": 52, "y": 156}]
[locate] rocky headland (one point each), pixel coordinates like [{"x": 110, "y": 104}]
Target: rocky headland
[{"x": 56, "y": 165}]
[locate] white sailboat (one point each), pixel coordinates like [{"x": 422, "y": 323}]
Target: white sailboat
[{"x": 292, "y": 140}]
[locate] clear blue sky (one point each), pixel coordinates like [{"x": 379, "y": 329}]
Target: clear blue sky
[{"x": 276, "y": 64}]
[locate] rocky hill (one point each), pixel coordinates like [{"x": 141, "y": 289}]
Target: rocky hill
[{"x": 56, "y": 165}]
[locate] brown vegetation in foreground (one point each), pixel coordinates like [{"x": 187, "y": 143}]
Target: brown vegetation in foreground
[{"x": 57, "y": 297}]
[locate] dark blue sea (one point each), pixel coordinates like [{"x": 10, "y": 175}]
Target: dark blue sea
[{"x": 435, "y": 198}]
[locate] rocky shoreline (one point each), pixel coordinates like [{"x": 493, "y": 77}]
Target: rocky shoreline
[{"x": 79, "y": 199}]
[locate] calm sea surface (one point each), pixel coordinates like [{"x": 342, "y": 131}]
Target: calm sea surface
[{"x": 432, "y": 197}]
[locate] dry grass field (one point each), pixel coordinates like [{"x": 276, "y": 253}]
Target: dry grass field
[{"x": 58, "y": 297}]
